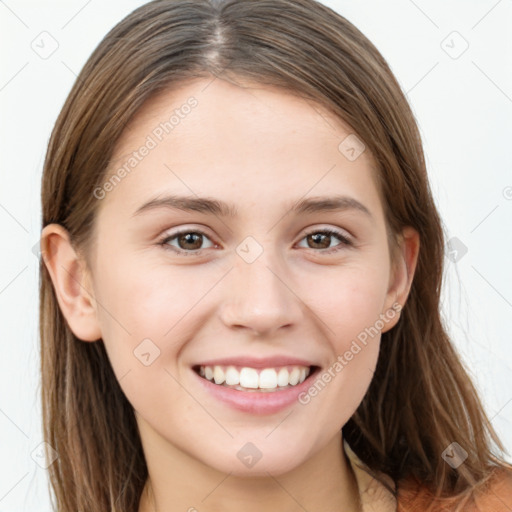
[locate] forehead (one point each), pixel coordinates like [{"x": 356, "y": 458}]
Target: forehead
[{"x": 212, "y": 137}]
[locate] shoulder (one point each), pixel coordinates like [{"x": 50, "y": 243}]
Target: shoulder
[
  {"x": 497, "y": 495},
  {"x": 493, "y": 496}
]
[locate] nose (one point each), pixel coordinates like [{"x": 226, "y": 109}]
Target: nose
[{"x": 260, "y": 298}]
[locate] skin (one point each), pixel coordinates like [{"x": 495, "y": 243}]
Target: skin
[{"x": 260, "y": 149}]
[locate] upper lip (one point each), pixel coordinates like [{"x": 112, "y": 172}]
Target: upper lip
[{"x": 255, "y": 362}]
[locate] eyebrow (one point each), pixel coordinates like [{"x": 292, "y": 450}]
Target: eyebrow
[{"x": 222, "y": 209}]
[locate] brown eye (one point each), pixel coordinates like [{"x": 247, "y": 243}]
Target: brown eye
[
  {"x": 322, "y": 239},
  {"x": 186, "y": 242},
  {"x": 190, "y": 241},
  {"x": 319, "y": 240}
]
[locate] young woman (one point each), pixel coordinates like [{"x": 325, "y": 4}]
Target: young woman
[{"x": 242, "y": 263}]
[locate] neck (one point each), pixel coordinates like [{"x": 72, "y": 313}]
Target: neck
[{"x": 325, "y": 481}]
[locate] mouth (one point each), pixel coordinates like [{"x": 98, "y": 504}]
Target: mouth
[{"x": 256, "y": 380}]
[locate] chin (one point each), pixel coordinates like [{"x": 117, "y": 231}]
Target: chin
[{"x": 260, "y": 465}]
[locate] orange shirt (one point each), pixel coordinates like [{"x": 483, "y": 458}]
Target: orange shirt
[{"x": 412, "y": 497}]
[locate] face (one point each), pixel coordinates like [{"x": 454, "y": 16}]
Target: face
[{"x": 271, "y": 254}]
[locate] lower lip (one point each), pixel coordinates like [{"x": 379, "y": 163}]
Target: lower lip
[{"x": 255, "y": 402}]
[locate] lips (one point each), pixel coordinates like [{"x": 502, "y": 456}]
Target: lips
[{"x": 259, "y": 395}]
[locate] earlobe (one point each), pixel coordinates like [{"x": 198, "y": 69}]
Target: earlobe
[
  {"x": 70, "y": 282},
  {"x": 404, "y": 267}
]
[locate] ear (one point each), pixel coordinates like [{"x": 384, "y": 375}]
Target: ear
[
  {"x": 402, "y": 272},
  {"x": 71, "y": 282}
]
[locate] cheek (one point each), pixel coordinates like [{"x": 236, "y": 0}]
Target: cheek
[
  {"x": 144, "y": 326},
  {"x": 155, "y": 302},
  {"x": 140, "y": 293},
  {"x": 350, "y": 306},
  {"x": 349, "y": 302},
  {"x": 348, "y": 299}
]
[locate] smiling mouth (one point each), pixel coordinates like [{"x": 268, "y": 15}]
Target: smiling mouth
[{"x": 256, "y": 380}]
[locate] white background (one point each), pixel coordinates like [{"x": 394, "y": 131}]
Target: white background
[{"x": 464, "y": 109}]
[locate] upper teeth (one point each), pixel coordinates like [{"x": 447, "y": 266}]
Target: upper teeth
[{"x": 266, "y": 378}]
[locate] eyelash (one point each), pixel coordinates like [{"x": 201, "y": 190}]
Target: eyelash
[{"x": 345, "y": 242}]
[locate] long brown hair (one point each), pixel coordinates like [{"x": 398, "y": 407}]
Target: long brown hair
[{"x": 421, "y": 398}]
